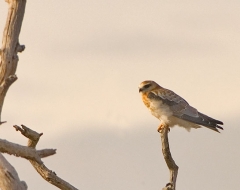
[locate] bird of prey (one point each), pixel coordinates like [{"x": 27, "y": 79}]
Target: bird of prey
[{"x": 171, "y": 109}]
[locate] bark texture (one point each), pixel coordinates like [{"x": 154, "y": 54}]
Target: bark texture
[{"x": 10, "y": 47}]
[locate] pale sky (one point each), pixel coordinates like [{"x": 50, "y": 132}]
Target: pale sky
[{"x": 78, "y": 84}]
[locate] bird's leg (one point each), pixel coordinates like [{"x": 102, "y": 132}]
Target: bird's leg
[{"x": 161, "y": 127}]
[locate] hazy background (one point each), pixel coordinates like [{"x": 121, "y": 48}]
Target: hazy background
[{"x": 78, "y": 84}]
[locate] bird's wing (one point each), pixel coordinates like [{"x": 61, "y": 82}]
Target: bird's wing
[
  {"x": 177, "y": 105},
  {"x": 181, "y": 109}
]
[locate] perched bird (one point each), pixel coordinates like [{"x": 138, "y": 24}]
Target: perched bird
[{"x": 171, "y": 109}]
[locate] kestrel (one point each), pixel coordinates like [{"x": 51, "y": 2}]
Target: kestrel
[{"x": 171, "y": 109}]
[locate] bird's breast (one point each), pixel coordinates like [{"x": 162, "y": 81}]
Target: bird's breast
[
  {"x": 145, "y": 100},
  {"x": 157, "y": 108}
]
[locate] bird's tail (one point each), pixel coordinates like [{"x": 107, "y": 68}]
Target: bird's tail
[{"x": 209, "y": 122}]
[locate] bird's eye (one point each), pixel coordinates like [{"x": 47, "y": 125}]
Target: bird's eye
[{"x": 147, "y": 85}]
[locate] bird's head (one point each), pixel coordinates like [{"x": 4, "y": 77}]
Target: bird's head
[{"x": 147, "y": 86}]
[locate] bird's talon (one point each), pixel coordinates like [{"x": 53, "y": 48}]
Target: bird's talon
[
  {"x": 169, "y": 185},
  {"x": 160, "y": 128}
]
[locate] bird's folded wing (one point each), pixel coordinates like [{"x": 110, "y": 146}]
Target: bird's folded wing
[{"x": 177, "y": 105}]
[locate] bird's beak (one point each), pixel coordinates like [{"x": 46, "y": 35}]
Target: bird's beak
[{"x": 140, "y": 90}]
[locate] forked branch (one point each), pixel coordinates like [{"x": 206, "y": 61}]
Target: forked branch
[
  {"x": 48, "y": 175},
  {"x": 24, "y": 151}
]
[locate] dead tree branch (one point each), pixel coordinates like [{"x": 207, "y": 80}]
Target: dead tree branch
[
  {"x": 48, "y": 175},
  {"x": 9, "y": 177},
  {"x": 173, "y": 168},
  {"x": 24, "y": 151},
  {"x": 8, "y": 65},
  {"x": 10, "y": 47}
]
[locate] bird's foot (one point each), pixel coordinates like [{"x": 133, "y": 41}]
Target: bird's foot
[
  {"x": 161, "y": 127},
  {"x": 169, "y": 186}
]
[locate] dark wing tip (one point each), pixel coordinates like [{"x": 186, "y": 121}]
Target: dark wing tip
[
  {"x": 221, "y": 123},
  {"x": 219, "y": 127}
]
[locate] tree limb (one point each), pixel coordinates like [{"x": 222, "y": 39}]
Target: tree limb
[
  {"x": 173, "y": 168},
  {"x": 48, "y": 175},
  {"x": 10, "y": 47},
  {"x": 8, "y": 65},
  {"x": 9, "y": 177},
  {"x": 24, "y": 151}
]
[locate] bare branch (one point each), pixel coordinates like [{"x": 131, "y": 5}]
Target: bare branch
[
  {"x": 173, "y": 168},
  {"x": 9, "y": 177},
  {"x": 33, "y": 136},
  {"x": 8, "y": 65},
  {"x": 46, "y": 152},
  {"x": 48, "y": 175},
  {"x": 24, "y": 151},
  {"x": 10, "y": 47}
]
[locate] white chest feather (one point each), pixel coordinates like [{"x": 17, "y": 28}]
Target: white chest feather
[{"x": 160, "y": 110}]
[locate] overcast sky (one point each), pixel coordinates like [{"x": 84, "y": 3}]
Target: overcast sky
[{"x": 78, "y": 84}]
